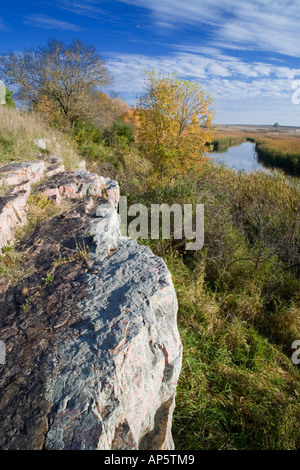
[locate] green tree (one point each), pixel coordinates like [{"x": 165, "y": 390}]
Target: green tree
[
  {"x": 9, "y": 100},
  {"x": 65, "y": 76},
  {"x": 174, "y": 124}
]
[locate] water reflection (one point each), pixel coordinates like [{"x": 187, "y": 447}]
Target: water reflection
[{"x": 242, "y": 157}]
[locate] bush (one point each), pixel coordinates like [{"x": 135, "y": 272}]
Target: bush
[{"x": 119, "y": 134}]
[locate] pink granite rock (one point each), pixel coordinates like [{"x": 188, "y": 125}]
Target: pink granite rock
[
  {"x": 16, "y": 173},
  {"x": 72, "y": 185},
  {"x": 111, "y": 189},
  {"x": 12, "y": 215},
  {"x": 128, "y": 340},
  {"x": 54, "y": 170},
  {"x": 93, "y": 360}
]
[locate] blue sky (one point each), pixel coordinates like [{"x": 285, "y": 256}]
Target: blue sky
[{"x": 245, "y": 53}]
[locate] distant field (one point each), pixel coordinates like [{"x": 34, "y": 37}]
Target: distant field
[
  {"x": 291, "y": 130},
  {"x": 276, "y": 147}
]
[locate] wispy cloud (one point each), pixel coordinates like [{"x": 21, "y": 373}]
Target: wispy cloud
[
  {"x": 270, "y": 25},
  {"x": 233, "y": 82},
  {"x": 83, "y": 8},
  {"x": 220, "y": 73},
  {"x": 47, "y": 22}
]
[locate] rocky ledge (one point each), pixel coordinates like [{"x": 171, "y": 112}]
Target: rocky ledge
[{"x": 93, "y": 352}]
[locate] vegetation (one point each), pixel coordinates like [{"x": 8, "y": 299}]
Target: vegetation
[
  {"x": 19, "y": 129},
  {"x": 238, "y": 311},
  {"x": 62, "y": 77},
  {"x": 239, "y": 298},
  {"x": 9, "y": 99},
  {"x": 175, "y": 124},
  {"x": 280, "y": 153},
  {"x": 224, "y": 140}
]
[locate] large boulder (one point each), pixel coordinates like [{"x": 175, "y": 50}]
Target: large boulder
[{"x": 93, "y": 352}]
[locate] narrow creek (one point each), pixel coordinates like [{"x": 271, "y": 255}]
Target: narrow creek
[{"x": 241, "y": 157}]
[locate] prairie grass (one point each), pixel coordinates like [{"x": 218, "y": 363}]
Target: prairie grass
[
  {"x": 11, "y": 263},
  {"x": 224, "y": 140},
  {"x": 19, "y": 129},
  {"x": 239, "y": 311},
  {"x": 280, "y": 151}
]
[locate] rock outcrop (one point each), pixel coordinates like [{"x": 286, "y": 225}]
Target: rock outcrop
[
  {"x": 93, "y": 352},
  {"x": 18, "y": 179}
]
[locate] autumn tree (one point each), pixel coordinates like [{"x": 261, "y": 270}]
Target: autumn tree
[
  {"x": 63, "y": 77},
  {"x": 108, "y": 109},
  {"x": 174, "y": 124},
  {"x": 131, "y": 117}
]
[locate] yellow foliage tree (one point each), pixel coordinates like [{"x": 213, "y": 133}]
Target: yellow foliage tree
[{"x": 174, "y": 124}]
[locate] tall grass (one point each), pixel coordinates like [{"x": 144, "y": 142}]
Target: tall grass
[
  {"x": 224, "y": 140},
  {"x": 280, "y": 152},
  {"x": 19, "y": 129},
  {"x": 239, "y": 311}
]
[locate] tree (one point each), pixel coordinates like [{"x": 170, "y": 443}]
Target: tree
[
  {"x": 174, "y": 124},
  {"x": 9, "y": 100},
  {"x": 64, "y": 76}
]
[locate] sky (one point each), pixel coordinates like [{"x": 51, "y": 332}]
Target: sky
[{"x": 245, "y": 53}]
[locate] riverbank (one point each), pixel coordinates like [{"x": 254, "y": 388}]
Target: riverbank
[{"x": 275, "y": 147}]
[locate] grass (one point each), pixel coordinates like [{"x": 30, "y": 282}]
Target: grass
[
  {"x": 239, "y": 311},
  {"x": 280, "y": 152},
  {"x": 13, "y": 265},
  {"x": 19, "y": 129},
  {"x": 237, "y": 390},
  {"x": 224, "y": 140}
]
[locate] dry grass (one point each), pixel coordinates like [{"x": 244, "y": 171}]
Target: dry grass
[
  {"x": 280, "y": 143},
  {"x": 19, "y": 129}
]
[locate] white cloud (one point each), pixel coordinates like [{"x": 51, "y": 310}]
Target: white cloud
[
  {"x": 254, "y": 24},
  {"x": 46, "y": 22},
  {"x": 83, "y": 8},
  {"x": 269, "y": 25},
  {"x": 231, "y": 81},
  {"x": 265, "y": 27},
  {"x": 128, "y": 69}
]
